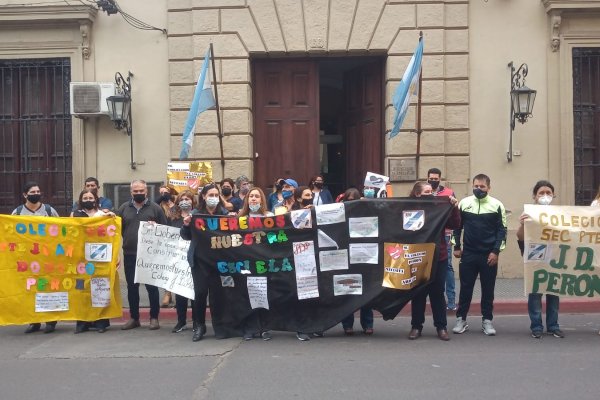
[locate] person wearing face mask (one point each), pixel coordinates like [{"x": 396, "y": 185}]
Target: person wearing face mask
[
  {"x": 88, "y": 206},
  {"x": 543, "y": 194},
  {"x": 34, "y": 206},
  {"x": 255, "y": 205},
  {"x": 303, "y": 198},
  {"x": 369, "y": 192},
  {"x": 287, "y": 195},
  {"x": 483, "y": 227},
  {"x": 434, "y": 176},
  {"x": 104, "y": 203},
  {"x": 321, "y": 194},
  {"x": 435, "y": 290},
  {"x": 138, "y": 209},
  {"x": 184, "y": 204},
  {"x": 210, "y": 203},
  {"x": 165, "y": 201},
  {"x": 232, "y": 203},
  {"x": 243, "y": 185},
  {"x": 276, "y": 197}
]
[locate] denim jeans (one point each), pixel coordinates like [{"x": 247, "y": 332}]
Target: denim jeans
[
  {"x": 450, "y": 292},
  {"x": 366, "y": 319},
  {"x": 534, "y": 304}
]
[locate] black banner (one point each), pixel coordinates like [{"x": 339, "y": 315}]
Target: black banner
[{"x": 314, "y": 267}]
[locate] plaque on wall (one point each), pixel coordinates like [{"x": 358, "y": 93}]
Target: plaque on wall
[{"x": 403, "y": 169}]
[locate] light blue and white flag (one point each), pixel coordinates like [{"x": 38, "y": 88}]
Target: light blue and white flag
[
  {"x": 407, "y": 86},
  {"x": 202, "y": 101}
]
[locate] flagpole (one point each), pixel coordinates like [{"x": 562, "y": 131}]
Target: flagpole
[
  {"x": 214, "y": 71},
  {"x": 418, "y": 122}
]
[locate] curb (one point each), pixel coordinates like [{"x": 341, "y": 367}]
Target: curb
[{"x": 501, "y": 307}]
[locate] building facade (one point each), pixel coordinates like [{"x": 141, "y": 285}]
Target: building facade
[{"x": 306, "y": 86}]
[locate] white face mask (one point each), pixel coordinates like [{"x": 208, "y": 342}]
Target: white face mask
[
  {"x": 254, "y": 207},
  {"x": 545, "y": 200},
  {"x": 212, "y": 202}
]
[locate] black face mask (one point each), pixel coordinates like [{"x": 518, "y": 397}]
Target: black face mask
[
  {"x": 480, "y": 194},
  {"x": 164, "y": 197},
  {"x": 139, "y": 198},
  {"x": 226, "y": 191},
  {"x": 306, "y": 202},
  {"x": 434, "y": 184},
  {"x": 34, "y": 198},
  {"x": 88, "y": 205},
  {"x": 319, "y": 185}
]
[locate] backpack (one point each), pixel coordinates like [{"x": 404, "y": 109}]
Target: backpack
[{"x": 46, "y": 206}]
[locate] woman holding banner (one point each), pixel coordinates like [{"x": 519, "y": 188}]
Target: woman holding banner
[
  {"x": 211, "y": 203},
  {"x": 88, "y": 206},
  {"x": 255, "y": 205},
  {"x": 436, "y": 289},
  {"x": 543, "y": 193},
  {"x": 184, "y": 204}
]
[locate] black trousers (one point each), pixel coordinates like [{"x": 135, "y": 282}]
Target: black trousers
[
  {"x": 133, "y": 291},
  {"x": 201, "y": 294},
  {"x": 435, "y": 291},
  {"x": 471, "y": 265},
  {"x": 181, "y": 305}
]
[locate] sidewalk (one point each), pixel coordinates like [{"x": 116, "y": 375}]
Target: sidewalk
[{"x": 510, "y": 299}]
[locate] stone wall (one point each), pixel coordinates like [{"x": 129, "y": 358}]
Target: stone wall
[{"x": 242, "y": 29}]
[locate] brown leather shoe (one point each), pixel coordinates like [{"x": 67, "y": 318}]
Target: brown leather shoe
[
  {"x": 443, "y": 335},
  {"x": 414, "y": 334},
  {"x": 131, "y": 324},
  {"x": 154, "y": 325}
]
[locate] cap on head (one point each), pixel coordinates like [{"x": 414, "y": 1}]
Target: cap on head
[{"x": 291, "y": 182}]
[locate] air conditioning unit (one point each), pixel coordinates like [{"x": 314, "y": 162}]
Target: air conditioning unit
[{"x": 89, "y": 98}]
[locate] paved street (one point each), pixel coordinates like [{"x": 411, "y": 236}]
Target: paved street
[{"x": 143, "y": 364}]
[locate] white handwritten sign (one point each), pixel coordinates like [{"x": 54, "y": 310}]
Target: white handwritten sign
[
  {"x": 257, "y": 291},
  {"x": 162, "y": 259},
  {"x": 100, "y": 290}
]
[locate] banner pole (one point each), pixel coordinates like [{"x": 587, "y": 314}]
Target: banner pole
[{"x": 214, "y": 71}]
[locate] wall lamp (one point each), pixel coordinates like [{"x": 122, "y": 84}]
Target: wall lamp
[
  {"x": 521, "y": 101},
  {"x": 119, "y": 107}
]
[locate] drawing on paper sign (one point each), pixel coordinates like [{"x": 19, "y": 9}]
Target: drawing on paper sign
[
  {"x": 363, "y": 227},
  {"x": 99, "y": 252},
  {"x": 413, "y": 220},
  {"x": 347, "y": 284},
  {"x": 227, "y": 281},
  {"x": 330, "y": 213},
  {"x": 301, "y": 219},
  {"x": 536, "y": 251}
]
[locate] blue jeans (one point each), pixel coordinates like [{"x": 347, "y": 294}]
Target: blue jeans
[
  {"x": 450, "y": 293},
  {"x": 366, "y": 319},
  {"x": 534, "y": 305}
]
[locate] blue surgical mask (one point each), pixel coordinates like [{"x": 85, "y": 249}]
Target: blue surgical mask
[
  {"x": 254, "y": 207},
  {"x": 287, "y": 194},
  {"x": 369, "y": 193},
  {"x": 480, "y": 194}
]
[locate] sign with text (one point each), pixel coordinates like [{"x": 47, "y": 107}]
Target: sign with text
[
  {"x": 56, "y": 269},
  {"x": 313, "y": 275},
  {"x": 162, "y": 259},
  {"x": 560, "y": 247}
]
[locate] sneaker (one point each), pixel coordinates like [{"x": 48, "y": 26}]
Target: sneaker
[
  {"x": 303, "y": 337},
  {"x": 266, "y": 335},
  {"x": 318, "y": 334},
  {"x": 461, "y": 326},
  {"x": 180, "y": 327},
  {"x": 536, "y": 334},
  {"x": 248, "y": 336},
  {"x": 488, "y": 328},
  {"x": 451, "y": 307},
  {"x": 557, "y": 333}
]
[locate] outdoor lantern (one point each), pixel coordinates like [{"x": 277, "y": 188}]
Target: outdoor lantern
[
  {"x": 521, "y": 101},
  {"x": 119, "y": 107}
]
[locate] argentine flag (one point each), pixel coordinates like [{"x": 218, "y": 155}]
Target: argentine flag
[
  {"x": 407, "y": 86},
  {"x": 202, "y": 101}
]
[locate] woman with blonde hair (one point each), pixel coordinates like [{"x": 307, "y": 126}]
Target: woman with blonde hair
[{"x": 255, "y": 204}]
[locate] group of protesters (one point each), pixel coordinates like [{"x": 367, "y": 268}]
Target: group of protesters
[{"x": 475, "y": 233}]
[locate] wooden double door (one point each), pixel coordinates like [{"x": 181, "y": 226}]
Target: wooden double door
[{"x": 287, "y": 105}]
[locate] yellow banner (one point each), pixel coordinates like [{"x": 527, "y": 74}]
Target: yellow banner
[
  {"x": 407, "y": 265},
  {"x": 560, "y": 247},
  {"x": 57, "y": 269}
]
